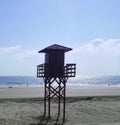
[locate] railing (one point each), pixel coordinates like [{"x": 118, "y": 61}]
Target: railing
[
  {"x": 68, "y": 71},
  {"x": 41, "y": 70}
]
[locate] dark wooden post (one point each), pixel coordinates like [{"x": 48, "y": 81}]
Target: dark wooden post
[{"x": 54, "y": 70}]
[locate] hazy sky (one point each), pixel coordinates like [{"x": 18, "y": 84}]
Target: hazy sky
[{"x": 90, "y": 27}]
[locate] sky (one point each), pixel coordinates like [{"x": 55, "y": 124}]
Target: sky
[{"x": 90, "y": 27}]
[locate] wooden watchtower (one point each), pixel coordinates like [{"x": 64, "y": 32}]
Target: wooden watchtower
[{"x": 54, "y": 71}]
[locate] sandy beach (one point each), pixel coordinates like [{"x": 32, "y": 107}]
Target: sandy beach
[{"x": 84, "y": 106}]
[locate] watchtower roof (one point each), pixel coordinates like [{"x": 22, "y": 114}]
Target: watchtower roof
[{"x": 55, "y": 47}]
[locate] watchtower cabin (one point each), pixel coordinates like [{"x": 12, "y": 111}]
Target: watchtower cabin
[{"x": 54, "y": 63}]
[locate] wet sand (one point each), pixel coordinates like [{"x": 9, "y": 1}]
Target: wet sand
[{"x": 28, "y": 92}]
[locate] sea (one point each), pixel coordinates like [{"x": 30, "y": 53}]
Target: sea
[{"x": 30, "y": 81}]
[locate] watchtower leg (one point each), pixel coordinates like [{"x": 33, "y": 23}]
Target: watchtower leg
[
  {"x": 59, "y": 97},
  {"x": 45, "y": 94},
  {"x": 49, "y": 98},
  {"x": 64, "y": 80},
  {"x": 64, "y": 101}
]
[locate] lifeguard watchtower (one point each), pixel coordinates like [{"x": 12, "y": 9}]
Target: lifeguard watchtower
[{"x": 54, "y": 71}]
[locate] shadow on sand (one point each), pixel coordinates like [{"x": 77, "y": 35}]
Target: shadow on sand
[{"x": 48, "y": 120}]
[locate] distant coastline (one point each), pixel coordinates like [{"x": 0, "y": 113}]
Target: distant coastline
[{"x": 31, "y": 81}]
